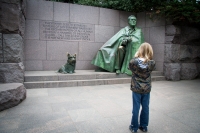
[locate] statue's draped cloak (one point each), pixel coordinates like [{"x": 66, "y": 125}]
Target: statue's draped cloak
[{"x": 106, "y": 55}]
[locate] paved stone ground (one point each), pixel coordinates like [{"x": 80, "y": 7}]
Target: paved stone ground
[{"x": 174, "y": 108}]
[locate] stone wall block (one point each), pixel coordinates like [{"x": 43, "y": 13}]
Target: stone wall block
[
  {"x": 89, "y": 48},
  {"x": 159, "y": 66},
  {"x": 11, "y": 1},
  {"x": 198, "y": 68},
  {"x": 12, "y": 48},
  {"x": 34, "y": 65},
  {"x": 11, "y": 94},
  {"x": 154, "y": 23},
  {"x": 189, "y": 34},
  {"x": 189, "y": 71},
  {"x": 171, "y": 53},
  {"x": 123, "y": 18},
  {"x": 185, "y": 53},
  {"x": 116, "y": 29},
  {"x": 146, "y": 31},
  {"x": 39, "y": 9},
  {"x": 61, "y": 11},
  {"x": 84, "y": 14},
  {"x": 22, "y": 25},
  {"x": 59, "y": 52},
  {"x": 1, "y": 48},
  {"x": 85, "y": 65},
  {"x": 35, "y": 50},
  {"x": 189, "y": 53},
  {"x": 32, "y": 30},
  {"x": 176, "y": 39},
  {"x": 170, "y": 30},
  {"x": 158, "y": 54},
  {"x": 141, "y": 19},
  {"x": 172, "y": 71},
  {"x": 11, "y": 72},
  {"x": 23, "y": 7},
  {"x": 169, "y": 39},
  {"x": 103, "y": 33},
  {"x": 109, "y": 17},
  {"x": 10, "y": 20},
  {"x": 53, "y": 65},
  {"x": 157, "y": 35},
  {"x": 195, "y": 50}
]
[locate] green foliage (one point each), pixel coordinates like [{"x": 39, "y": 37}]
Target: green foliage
[
  {"x": 176, "y": 10},
  {"x": 124, "y": 5},
  {"x": 183, "y": 11}
]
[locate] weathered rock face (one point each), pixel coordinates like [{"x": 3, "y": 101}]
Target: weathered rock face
[
  {"x": 189, "y": 71},
  {"x": 1, "y": 49},
  {"x": 12, "y": 16},
  {"x": 171, "y": 53},
  {"x": 198, "y": 68},
  {"x": 11, "y": 72},
  {"x": 12, "y": 25},
  {"x": 182, "y": 47},
  {"x": 188, "y": 34},
  {"x": 12, "y": 48},
  {"x": 189, "y": 53},
  {"x": 11, "y": 95},
  {"x": 172, "y": 71}
]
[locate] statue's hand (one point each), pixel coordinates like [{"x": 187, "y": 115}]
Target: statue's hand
[
  {"x": 129, "y": 39},
  {"x": 126, "y": 40}
]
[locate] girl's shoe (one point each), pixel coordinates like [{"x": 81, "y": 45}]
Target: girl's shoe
[
  {"x": 144, "y": 129},
  {"x": 131, "y": 129}
]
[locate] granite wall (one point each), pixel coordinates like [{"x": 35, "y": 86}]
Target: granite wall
[
  {"x": 182, "y": 52},
  {"x": 12, "y": 27},
  {"x": 44, "y": 51},
  {"x": 54, "y": 28}
]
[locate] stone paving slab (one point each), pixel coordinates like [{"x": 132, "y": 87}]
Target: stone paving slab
[{"x": 174, "y": 108}]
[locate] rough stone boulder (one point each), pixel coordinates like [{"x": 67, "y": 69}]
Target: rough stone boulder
[
  {"x": 11, "y": 72},
  {"x": 172, "y": 71},
  {"x": 1, "y": 48},
  {"x": 11, "y": 94},
  {"x": 12, "y": 16},
  {"x": 189, "y": 53},
  {"x": 171, "y": 53},
  {"x": 12, "y": 48},
  {"x": 189, "y": 71},
  {"x": 198, "y": 68}
]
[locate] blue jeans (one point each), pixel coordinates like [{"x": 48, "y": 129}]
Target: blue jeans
[{"x": 142, "y": 99}]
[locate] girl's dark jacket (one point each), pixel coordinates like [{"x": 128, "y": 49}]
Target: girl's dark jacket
[{"x": 141, "y": 75}]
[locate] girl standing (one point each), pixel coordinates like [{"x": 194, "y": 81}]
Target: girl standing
[{"x": 141, "y": 66}]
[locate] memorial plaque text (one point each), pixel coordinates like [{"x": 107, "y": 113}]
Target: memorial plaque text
[{"x": 51, "y": 30}]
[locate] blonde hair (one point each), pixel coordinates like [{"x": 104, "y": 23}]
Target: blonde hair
[{"x": 145, "y": 51}]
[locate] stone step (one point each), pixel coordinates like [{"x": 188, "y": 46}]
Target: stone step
[
  {"x": 79, "y": 75},
  {"x": 51, "y": 79}
]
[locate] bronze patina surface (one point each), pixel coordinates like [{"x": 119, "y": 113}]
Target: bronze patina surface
[
  {"x": 69, "y": 67},
  {"x": 115, "y": 54}
]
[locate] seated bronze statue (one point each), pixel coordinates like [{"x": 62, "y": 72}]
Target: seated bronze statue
[
  {"x": 115, "y": 54},
  {"x": 69, "y": 67}
]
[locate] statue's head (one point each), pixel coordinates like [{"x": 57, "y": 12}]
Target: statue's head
[{"x": 132, "y": 21}]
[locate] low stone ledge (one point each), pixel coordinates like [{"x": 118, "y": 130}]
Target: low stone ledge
[{"x": 11, "y": 94}]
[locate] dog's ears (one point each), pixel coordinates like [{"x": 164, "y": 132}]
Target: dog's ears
[{"x": 68, "y": 54}]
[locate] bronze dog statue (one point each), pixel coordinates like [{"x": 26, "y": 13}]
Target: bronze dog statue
[{"x": 69, "y": 67}]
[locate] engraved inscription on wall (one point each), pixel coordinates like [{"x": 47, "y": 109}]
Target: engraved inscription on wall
[{"x": 53, "y": 30}]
